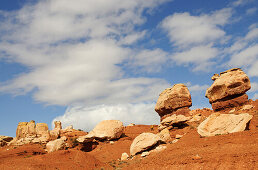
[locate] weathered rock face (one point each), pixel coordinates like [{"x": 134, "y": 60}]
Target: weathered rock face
[
  {"x": 58, "y": 125},
  {"x": 26, "y": 129},
  {"x": 228, "y": 89},
  {"x": 107, "y": 129},
  {"x": 143, "y": 142},
  {"x": 219, "y": 124},
  {"x": 55, "y": 133},
  {"x": 172, "y": 100},
  {"x": 56, "y": 145},
  {"x": 41, "y": 129},
  {"x": 164, "y": 135}
]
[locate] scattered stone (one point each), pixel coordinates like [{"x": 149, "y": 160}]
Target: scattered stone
[
  {"x": 196, "y": 157},
  {"x": 131, "y": 124},
  {"x": 218, "y": 124},
  {"x": 173, "y": 99},
  {"x": 228, "y": 90},
  {"x": 111, "y": 142},
  {"x": 179, "y": 136},
  {"x": 175, "y": 141},
  {"x": 143, "y": 142},
  {"x": 107, "y": 129},
  {"x": 144, "y": 154},
  {"x": 124, "y": 156},
  {"x": 55, "y": 145},
  {"x": 164, "y": 135}
]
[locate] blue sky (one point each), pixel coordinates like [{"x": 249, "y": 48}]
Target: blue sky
[{"x": 85, "y": 61}]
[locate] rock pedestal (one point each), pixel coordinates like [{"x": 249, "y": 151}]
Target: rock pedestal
[
  {"x": 175, "y": 100},
  {"x": 228, "y": 89}
]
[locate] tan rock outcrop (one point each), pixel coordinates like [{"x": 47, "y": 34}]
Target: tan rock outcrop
[
  {"x": 107, "y": 129},
  {"x": 56, "y": 145},
  {"x": 26, "y": 129},
  {"x": 219, "y": 124},
  {"x": 175, "y": 100},
  {"x": 41, "y": 129},
  {"x": 164, "y": 135},
  {"x": 143, "y": 142},
  {"x": 228, "y": 89}
]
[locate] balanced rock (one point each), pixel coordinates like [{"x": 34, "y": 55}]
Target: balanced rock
[
  {"x": 175, "y": 100},
  {"x": 219, "y": 124},
  {"x": 228, "y": 89},
  {"x": 143, "y": 142},
  {"x": 107, "y": 129},
  {"x": 56, "y": 145}
]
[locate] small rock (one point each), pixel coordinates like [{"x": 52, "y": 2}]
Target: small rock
[
  {"x": 144, "y": 154},
  {"x": 196, "y": 157},
  {"x": 179, "y": 136},
  {"x": 232, "y": 111},
  {"x": 159, "y": 148},
  {"x": 124, "y": 156},
  {"x": 175, "y": 141},
  {"x": 131, "y": 124},
  {"x": 111, "y": 142}
]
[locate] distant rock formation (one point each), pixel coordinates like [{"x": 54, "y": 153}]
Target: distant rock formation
[
  {"x": 228, "y": 89},
  {"x": 175, "y": 100}
]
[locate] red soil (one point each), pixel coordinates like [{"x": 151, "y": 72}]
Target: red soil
[{"x": 232, "y": 151}]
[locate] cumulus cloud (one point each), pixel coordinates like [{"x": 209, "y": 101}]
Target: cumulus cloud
[
  {"x": 85, "y": 117},
  {"x": 195, "y": 37},
  {"x": 185, "y": 30}
]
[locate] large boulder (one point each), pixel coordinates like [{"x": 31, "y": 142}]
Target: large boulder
[
  {"x": 107, "y": 129},
  {"x": 219, "y": 124},
  {"x": 228, "y": 89},
  {"x": 56, "y": 145},
  {"x": 173, "y": 99},
  {"x": 143, "y": 142}
]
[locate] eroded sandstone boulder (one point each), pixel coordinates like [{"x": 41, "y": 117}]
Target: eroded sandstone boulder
[
  {"x": 56, "y": 145},
  {"x": 219, "y": 124},
  {"x": 228, "y": 89},
  {"x": 4, "y": 140},
  {"x": 175, "y": 100},
  {"x": 143, "y": 142},
  {"x": 107, "y": 129}
]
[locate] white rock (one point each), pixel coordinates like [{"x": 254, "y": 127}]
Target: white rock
[
  {"x": 145, "y": 154},
  {"x": 143, "y": 142},
  {"x": 179, "y": 136},
  {"x": 55, "y": 145},
  {"x": 107, "y": 129},
  {"x": 232, "y": 111},
  {"x": 124, "y": 156},
  {"x": 174, "y": 119},
  {"x": 218, "y": 124},
  {"x": 175, "y": 141},
  {"x": 247, "y": 107},
  {"x": 164, "y": 135}
]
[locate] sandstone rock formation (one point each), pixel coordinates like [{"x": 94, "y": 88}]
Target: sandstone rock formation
[
  {"x": 173, "y": 120},
  {"x": 107, "y": 129},
  {"x": 143, "y": 142},
  {"x": 175, "y": 100},
  {"x": 228, "y": 89},
  {"x": 219, "y": 124},
  {"x": 55, "y": 133},
  {"x": 56, "y": 145},
  {"x": 26, "y": 129}
]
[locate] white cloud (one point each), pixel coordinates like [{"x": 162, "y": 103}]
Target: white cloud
[
  {"x": 184, "y": 29},
  {"x": 251, "y": 11},
  {"x": 198, "y": 88},
  {"x": 149, "y": 60},
  {"x": 86, "y": 118},
  {"x": 254, "y": 87},
  {"x": 200, "y": 56}
]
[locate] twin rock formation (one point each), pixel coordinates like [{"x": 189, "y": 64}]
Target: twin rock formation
[{"x": 227, "y": 91}]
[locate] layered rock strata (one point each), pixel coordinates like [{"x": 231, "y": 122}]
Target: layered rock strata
[
  {"x": 228, "y": 89},
  {"x": 175, "y": 100}
]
